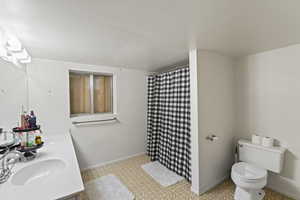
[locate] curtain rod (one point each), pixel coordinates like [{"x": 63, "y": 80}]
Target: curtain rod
[{"x": 171, "y": 68}]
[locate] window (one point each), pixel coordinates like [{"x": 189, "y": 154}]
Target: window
[{"x": 90, "y": 93}]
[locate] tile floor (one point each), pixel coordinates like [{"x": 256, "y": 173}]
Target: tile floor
[{"x": 145, "y": 188}]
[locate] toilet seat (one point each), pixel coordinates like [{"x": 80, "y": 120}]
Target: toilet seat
[{"x": 247, "y": 172}]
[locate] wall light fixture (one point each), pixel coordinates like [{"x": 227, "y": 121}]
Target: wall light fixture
[{"x": 11, "y": 49}]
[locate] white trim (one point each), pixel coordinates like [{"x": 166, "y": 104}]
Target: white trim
[
  {"x": 284, "y": 186},
  {"x": 92, "y": 93},
  {"x": 194, "y": 122},
  {"x": 115, "y": 94},
  {"x": 203, "y": 189},
  {"x": 281, "y": 190},
  {"x": 112, "y": 161}
]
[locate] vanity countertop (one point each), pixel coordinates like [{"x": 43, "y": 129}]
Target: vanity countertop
[{"x": 62, "y": 184}]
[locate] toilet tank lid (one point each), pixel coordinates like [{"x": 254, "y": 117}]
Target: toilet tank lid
[{"x": 276, "y": 149}]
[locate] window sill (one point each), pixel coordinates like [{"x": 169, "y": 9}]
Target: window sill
[{"x": 94, "y": 119}]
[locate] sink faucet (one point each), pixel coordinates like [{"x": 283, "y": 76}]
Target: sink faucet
[{"x": 9, "y": 158}]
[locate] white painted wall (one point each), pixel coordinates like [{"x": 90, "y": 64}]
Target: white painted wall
[
  {"x": 268, "y": 94},
  {"x": 216, "y": 116},
  {"x": 193, "y": 65},
  {"x": 96, "y": 144},
  {"x": 12, "y": 94}
]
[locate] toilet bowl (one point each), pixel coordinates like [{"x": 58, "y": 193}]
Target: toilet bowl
[{"x": 249, "y": 181}]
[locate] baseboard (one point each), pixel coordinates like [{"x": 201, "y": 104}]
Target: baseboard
[
  {"x": 111, "y": 161},
  {"x": 284, "y": 186},
  {"x": 195, "y": 190},
  {"x": 213, "y": 184},
  {"x": 284, "y": 192}
]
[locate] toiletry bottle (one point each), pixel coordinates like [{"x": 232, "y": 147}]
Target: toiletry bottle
[
  {"x": 38, "y": 138},
  {"x": 27, "y": 118},
  {"x": 32, "y": 120},
  {"x": 31, "y": 139},
  {"x": 23, "y": 139},
  {"x": 34, "y": 138},
  {"x": 27, "y": 139},
  {"x": 23, "y": 121}
]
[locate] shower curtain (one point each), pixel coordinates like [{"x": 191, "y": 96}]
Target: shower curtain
[{"x": 168, "y": 128}]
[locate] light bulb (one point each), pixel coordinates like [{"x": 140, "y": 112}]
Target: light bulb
[
  {"x": 26, "y": 61},
  {"x": 2, "y": 37},
  {"x": 13, "y": 44},
  {"x": 21, "y": 55},
  {"x": 8, "y": 58},
  {"x": 14, "y": 60},
  {"x": 11, "y": 49},
  {"x": 3, "y": 52}
]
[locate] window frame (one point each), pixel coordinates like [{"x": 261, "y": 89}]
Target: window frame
[{"x": 92, "y": 115}]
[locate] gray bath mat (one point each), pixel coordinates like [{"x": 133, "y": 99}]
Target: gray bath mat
[
  {"x": 107, "y": 188},
  {"x": 161, "y": 174}
]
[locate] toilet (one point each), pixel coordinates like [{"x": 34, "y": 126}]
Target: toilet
[{"x": 251, "y": 172}]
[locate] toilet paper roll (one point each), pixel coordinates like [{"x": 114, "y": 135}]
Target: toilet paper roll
[
  {"x": 256, "y": 139},
  {"x": 267, "y": 142}
]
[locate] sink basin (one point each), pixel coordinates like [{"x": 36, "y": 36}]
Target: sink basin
[{"x": 38, "y": 171}]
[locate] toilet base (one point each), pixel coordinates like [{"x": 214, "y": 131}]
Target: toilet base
[{"x": 248, "y": 194}]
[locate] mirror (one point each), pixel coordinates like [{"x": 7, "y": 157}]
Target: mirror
[{"x": 13, "y": 94}]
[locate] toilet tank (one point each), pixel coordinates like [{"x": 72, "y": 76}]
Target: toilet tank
[{"x": 270, "y": 158}]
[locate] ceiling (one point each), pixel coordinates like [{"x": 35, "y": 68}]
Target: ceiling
[{"x": 149, "y": 34}]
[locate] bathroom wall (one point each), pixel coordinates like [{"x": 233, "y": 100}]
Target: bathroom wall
[
  {"x": 215, "y": 116},
  {"x": 268, "y": 101},
  {"x": 95, "y": 144},
  {"x": 12, "y": 94}
]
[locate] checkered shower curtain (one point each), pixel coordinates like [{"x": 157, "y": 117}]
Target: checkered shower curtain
[{"x": 168, "y": 129}]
